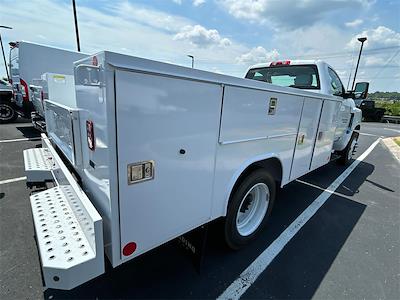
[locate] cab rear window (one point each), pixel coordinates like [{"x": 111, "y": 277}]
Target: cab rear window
[{"x": 297, "y": 76}]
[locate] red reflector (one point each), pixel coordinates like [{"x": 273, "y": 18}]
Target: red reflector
[
  {"x": 90, "y": 135},
  {"x": 42, "y": 98},
  {"x": 129, "y": 249},
  {"x": 25, "y": 90}
]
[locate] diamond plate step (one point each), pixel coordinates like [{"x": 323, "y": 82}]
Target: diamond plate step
[
  {"x": 69, "y": 230},
  {"x": 66, "y": 237},
  {"x": 38, "y": 164}
]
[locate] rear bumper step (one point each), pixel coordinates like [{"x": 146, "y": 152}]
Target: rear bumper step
[
  {"x": 68, "y": 228},
  {"x": 38, "y": 165}
]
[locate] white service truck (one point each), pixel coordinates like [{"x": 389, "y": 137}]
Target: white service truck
[
  {"x": 151, "y": 151},
  {"x": 58, "y": 87},
  {"x": 28, "y": 61}
]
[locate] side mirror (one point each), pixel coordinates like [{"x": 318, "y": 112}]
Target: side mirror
[{"x": 361, "y": 90}]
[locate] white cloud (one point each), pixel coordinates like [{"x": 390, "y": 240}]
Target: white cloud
[
  {"x": 121, "y": 27},
  {"x": 257, "y": 55},
  {"x": 201, "y": 37},
  {"x": 287, "y": 13},
  {"x": 381, "y": 36},
  {"x": 149, "y": 17},
  {"x": 374, "y": 61},
  {"x": 194, "y": 2},
  {"x": 355, "y": 23},
  {"x": 198, "y": 2},
  {"x": 312, "y": 42}
]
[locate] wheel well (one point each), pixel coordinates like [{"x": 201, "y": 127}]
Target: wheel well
[{"x": 273, "y": 165}]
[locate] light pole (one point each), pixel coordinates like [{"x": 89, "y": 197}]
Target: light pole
[
  {"x": 192, "y": 57},
  {"x": 362, "y": 40},
  {"x": 76, "y": 26},
  {"x": 2, "y": 50}
]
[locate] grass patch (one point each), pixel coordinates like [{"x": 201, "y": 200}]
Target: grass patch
[
  {"x": 397, "y": 141},
  {"x": 392, "y": 108}
]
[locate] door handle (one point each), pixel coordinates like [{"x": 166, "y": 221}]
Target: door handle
[
  {"x": 272, "y": 106},
  {"x": 320, "y": 135},
  {"x": 300, "y": 140}
]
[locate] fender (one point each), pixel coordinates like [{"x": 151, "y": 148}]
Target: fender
[
  {"x": 243, "y": 167},
  {"x": 340, "y": 144}
]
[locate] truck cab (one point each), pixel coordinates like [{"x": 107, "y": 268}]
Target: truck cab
[{"x": 318, "y": 77}]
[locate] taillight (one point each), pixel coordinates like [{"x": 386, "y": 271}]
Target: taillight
[
  {"x": 25, "y": 90},
  {"x": 90, "y": 135},
  {"x": 95, "y": 62},
  {"x": 42, "y": 98},
  {"x": 280, "y": 63}
]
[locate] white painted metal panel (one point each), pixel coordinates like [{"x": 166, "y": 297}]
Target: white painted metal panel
[
  {"x": 245, "y": 115},
  {"x": 158, "y": 116},
  {"x": 326, "y": 134},
  {"x": 62, "y": 126},
  {"x": 60, "y": 89},
  {"x": 306, "y": 137},
  {"x": 95, "y": 93},
  {"x": 250, "y": 134}
]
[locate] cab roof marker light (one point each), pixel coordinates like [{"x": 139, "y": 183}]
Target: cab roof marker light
[{"x": 280, "y": 63}]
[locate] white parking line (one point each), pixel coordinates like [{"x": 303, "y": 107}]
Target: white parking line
[
  {"x": 250, "y": 275},
  {"x": 368, "y": 134},
  {"x": 396, "y": 130},
  {"x": 12, "y": 180},
  {"x": 20, "y": 140},
  {"x": 320, "y": 188}
]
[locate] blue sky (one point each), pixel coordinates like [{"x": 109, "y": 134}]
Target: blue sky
[{"x": 224, "y": 35}]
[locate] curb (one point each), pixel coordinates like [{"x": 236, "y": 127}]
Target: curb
[{"x": 393, "y": 147}]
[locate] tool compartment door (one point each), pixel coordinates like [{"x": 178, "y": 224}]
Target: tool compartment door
[
  {"x": 325, "y": 135},
  {"x": 174, "y": 123},
  {"x": 306, "y": 137}
]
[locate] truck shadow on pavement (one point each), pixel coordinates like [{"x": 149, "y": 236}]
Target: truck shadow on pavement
[
  {"x": 296, "y": 273},
  {"x": 331, "y": 171},
  {"x": 28, "y": 131}
]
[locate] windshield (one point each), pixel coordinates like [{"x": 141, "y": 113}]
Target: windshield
[{"x": 297, "y": 76}]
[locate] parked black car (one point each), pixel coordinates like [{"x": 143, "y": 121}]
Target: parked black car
[{"x": 369, "y": 111}]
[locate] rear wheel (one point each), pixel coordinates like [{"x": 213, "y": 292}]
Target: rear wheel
[
  {"x": 249, "y": 208},
  {"x": 7, "y": 112},
  {"x": 378, "y": 117}
]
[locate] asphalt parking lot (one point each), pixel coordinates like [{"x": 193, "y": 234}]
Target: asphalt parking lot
[{"x": 349, "y": 249}]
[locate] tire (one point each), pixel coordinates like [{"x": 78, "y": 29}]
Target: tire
[
  {"x": 346, "y": 153},
  {"x": 254, "y": 197},
  {"x": 8, "y": 113},
  {"x": 378, "y": 117}
]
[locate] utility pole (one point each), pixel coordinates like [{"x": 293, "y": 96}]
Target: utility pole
[
  {"x": 76, "y": 26},
  {"x": 2, "y": 50},
  {"x": 192, "y": 57},
  {"x": 362, "y": 40}
]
